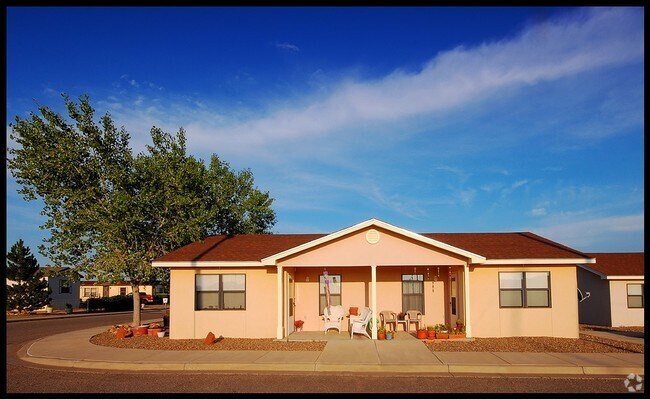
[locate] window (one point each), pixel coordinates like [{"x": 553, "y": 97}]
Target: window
[
  {"x": 335, "y": 291},
  {"x": 220, "y": 292},
  {"x": 413, "y": 292},
  {"x": 524, "y": 290},
  {"x": 90, "y": 292},
  {"x": 122, "y": 290},
  {"x": 635, "y": 296},
  {"x": 64, "y": 286}
]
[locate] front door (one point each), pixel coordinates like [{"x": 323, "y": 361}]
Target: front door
[
  {"x": 291, "y": 305},
  {"x": 453, "y": 293}
]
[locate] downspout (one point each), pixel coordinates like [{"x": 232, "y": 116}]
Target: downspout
[
  {"x": 280, "y": 332},
  {"x": 468, "y": 328}
]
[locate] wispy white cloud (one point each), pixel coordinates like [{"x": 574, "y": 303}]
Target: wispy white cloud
[
  {"x": 595, "y": 38},
  {"x": 593, "y": 233},
  {"x": 287, "y": 46},
  {"x": 538, "y": 211}
]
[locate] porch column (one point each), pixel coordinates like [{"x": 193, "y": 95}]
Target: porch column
[
  {"x": 280, "y": 333},
  {"x": 468, "y": 328},
  {"x": 373, "y": 300}
]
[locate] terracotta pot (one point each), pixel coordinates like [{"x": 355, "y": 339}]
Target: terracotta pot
[
  {"x": 442, "y": 335},
  {"x": 154, "y": 331},
  {"x": 431, "y": 334},
  {"x": 422, "y": 334},
  {"x": 381, "y": 336},
  {"x": 137, "y": 331},
  {"x": 457, "y": 336}
]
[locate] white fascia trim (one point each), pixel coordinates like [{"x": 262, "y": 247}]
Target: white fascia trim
[
  {"x": 625, "y": 278},
  {"x": 207, "y": 264},
  {"x": 474, "y": 258},
  {"x": 542, "y": 261}
]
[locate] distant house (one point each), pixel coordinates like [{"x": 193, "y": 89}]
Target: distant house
[
  {"x": 64, "y": 289},
  {"x": 614, "y": 287},
  {"x": 256, "y": 286},
  {"x": 95, "y": 289}
]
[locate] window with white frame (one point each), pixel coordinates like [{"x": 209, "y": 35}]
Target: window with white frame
[
  {"x": 525, "y": 289},
  {"x": 90, "y": 292},
  {"x": 635, "y": 296},
  {"x": 220, "y": 292},
  {"x": 334, "y": 281},
  {"x": 64, "y": 286}
]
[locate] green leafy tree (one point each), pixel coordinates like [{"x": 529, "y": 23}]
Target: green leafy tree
[
  {"x": 29, "y": 290},
  {"x": 110, "y": 212}
]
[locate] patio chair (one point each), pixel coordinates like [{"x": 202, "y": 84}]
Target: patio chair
[
  {"x": 333, "y": 317},
  {"x": 359, "y": 325},
  {"x": 414, "y": 316},
  {"x": 388, "y": 317}
]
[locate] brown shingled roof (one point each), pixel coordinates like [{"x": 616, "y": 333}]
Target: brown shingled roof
[
  {"x": 249, "y": 247},
  {"x": 255, "y": 247},
  {"x": 619, "y": 263},
  {"x": 522, "y": 245}
]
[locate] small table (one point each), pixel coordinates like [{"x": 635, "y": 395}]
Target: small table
[{"x": 405, "y": 322}]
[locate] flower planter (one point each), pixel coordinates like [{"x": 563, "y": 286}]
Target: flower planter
[
  {"x": 389, "y": 336},
  {"x": 442, "y": 335},
  {"x": 381, "y": 336},
  {"x": 161, "y": 334},
  {"x": 452, "y": 336},
  {"x": 138, "y": 331},
  {"x": 154, "y": 331},
  {"x": 431, "y": 334},
  {"x": 422, "y": 334}
]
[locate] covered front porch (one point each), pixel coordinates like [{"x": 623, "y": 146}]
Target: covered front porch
[
  {"x": 436, "y": 291},
  {"x": 375, "y": 266}
]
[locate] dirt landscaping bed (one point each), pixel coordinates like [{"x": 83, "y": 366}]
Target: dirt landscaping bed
[{"x": 585, "y": 344}]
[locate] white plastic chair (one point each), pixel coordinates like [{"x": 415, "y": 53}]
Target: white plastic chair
[
  {"x": 414, "y": 316},
  {"x": 333, "y": 317},
  {"x": 388, "y": 317},
  {"x": 359, "y": 325}
]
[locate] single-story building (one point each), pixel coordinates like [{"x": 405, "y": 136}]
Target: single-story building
[
  {"x": 63, "y": 289},
  {"x": 95, "y": 289},
  {"x": 256, "y": 286},
  {"x": 613, "y": 290}
]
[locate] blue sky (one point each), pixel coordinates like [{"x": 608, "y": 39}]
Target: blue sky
[{"x": 432, "y": 119}]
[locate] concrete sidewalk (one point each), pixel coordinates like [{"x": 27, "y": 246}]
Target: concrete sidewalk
[{"x": 403, "y": 356}]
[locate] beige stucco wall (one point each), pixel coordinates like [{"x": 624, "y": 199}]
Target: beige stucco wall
[
  {"x": 596, "y": 309},
  {"x": 113, "y": 290},
  {"x": 257, "y": 321},
  {"x": 621, "y": 314},
  {"x": 354, "y": 250},
  {"x": 488, "y": 320}
]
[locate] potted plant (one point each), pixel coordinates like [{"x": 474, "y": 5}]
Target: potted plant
[
  {"x": 166, "y": 319},
  {"x": 442, "y": 331},
  {"x": 459, "y": 323},
  {"x": 431, "y": 332},
  {"x": 401, "y": 316},
  {"x": 381, "y": 333},
  {"x": 68, "y": 308},
  {"x": 458, "y": 332},
  {"x": 154, "y": 329},
  {"x": 298, "y": 325},
  {"x": 421, "y": 333},
  {"x": 389, "y": 335}
]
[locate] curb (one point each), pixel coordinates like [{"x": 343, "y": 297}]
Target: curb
[{"x": 347, "y": 368}]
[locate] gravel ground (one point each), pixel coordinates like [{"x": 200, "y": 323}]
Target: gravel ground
[
  {"x": 228, "y": 344},
  {"x": 585, "y": 344}
]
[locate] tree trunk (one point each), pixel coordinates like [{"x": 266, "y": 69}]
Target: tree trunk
[{"x": 136, "y": 304}]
